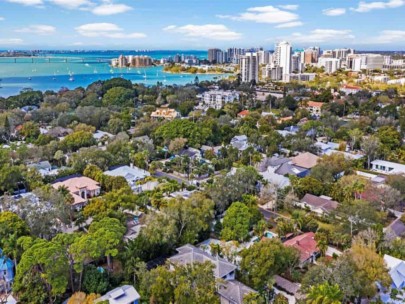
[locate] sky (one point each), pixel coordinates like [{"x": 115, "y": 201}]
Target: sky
[{"x": 201, "y": 24}]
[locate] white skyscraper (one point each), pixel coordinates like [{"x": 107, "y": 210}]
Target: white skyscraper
[
  {"x": 283, "y": 57},
  {"x": 249, "y": 67}
]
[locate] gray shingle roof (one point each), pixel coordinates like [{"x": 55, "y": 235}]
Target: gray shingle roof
[
  {"x": 234, "y": 291},
  {"x": 188, "y": 254}
]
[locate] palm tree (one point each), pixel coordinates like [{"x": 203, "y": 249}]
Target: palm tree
[
  {"x": 321, "y": 242},
  {"x": 325, "y": 294}
]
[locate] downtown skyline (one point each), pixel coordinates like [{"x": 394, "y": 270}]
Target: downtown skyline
[{"x": 179, "y": 24}]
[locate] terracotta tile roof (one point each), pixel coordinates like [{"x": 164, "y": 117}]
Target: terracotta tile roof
[
  {"x": 305, "y": 160},
  {"x": 243, "y": 113},
  {"x": 75, "y": 183},
  {"x": 352, "y": 87},
  {"x": 306, "y": 245},
  {"x": 315, "y": 104}
]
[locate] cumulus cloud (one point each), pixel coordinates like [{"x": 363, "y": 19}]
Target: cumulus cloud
[
  {"x": 39, "y": 29},
  {"x": 111, "y": 9},
  {"x": 334, "y": 11},
  {"x": 1, "y": 18},
  {"x": 109, "y": 30},
  {"x": 322, "y": 35},
  {"x": 369, "y": 6},
  {"x": 290, "y": 24},
  {"x": 389, "y": 36},
  {"x": 27, "y": 2},
  {"x": 205, "y": 31},
  {"x": 264, "y": 14},
  {"x": 290, "y": 7},
  {"x": 11, "y": 41}
]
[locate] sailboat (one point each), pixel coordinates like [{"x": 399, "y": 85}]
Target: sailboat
[{"x": 71, "y": 78}]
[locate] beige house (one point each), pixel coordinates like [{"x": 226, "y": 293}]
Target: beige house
[
  {"x": 315, "y": 108},
  {"x": 81, "y": 188},
  {"x": 165, "y": 113}
]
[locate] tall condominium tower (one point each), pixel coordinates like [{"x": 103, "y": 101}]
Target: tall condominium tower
[
  {"x": 282, "y": 57},
  {"x": 249, "y": 67}
]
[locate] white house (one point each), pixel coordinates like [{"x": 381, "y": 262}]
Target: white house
[
  {"x": 396, "y": 270},
  {"x": 217, "y": 98},
  {"x": 240, "y": 142},
  {"x": 386, "y": 167},
  {"x": 121, "y": 295},
  {"x": 132, "y": 175}
]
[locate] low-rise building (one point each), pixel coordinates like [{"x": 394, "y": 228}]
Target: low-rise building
[
  {"x": 81, "y": 188},
  {"x": 131, "y": 174},
  {"x": 6, "y": 273},
  {"x": 396, "y": 270},
  {"x": 306, "y": 245},
  {"x": 243, "y": 113},
  {"x": 121, "y": 295},
  {"x": 318, "y": 204},
  {"x": 240, "y": 142},
  {"x": 387, "y": 167},
  {"x": 350, "y": 89},
  {"x": 216, "y": 99},
  {"x": 314, "y": 108},
  {"x": 165, "y": 113}
]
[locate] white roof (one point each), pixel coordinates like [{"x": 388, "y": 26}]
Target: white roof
[
  {"x": 120, "y": 295},
  {"x": 396, "y": 270},
  {"x": 397, "y": 167},
  {"x": 99, "y": 134},
  {"x": 129, "y": 173}
]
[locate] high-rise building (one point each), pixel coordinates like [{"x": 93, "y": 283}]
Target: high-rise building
[
  {"x": 215, "y": 55},
  {"x": 264, "y": 57},
  {"x": 282, "y": 57},
  {"x": 311, "y": 55},
  {"x": 296, "y": 62},
  {"x": 330, "y": 64},
  {"x": 342, "y": 53},
  {"x": 249, "y": 67}
]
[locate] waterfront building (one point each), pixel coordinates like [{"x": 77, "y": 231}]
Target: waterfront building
[{"x": 249, "y": 67}]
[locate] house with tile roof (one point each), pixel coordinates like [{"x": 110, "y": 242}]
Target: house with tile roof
[
  {"x": 243, "y": 114},
  {"x": 81, "y": 188},
  {"x": 314, "y": 108},
  {"x": 306, "y": 245}
]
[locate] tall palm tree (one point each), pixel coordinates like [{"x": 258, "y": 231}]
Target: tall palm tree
[{"x": 325, "y": 294}]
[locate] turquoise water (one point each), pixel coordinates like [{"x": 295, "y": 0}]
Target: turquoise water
[{"x": 71, "y": 70}]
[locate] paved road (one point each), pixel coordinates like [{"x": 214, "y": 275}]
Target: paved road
[{"x": 170, "y": 176}]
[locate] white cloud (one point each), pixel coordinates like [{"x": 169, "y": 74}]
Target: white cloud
[
  {"x": 264, "y": 14},
  {"x": 39, "y": 29},
  {"x": 290, "y": 24},
  {"x": 27, "y": 2},
  {"x": 290, "y": 7},
  {"x": 322, "y": 35},
  {"x": 2, "y": 19},
  {"x": 389, "y": 36},
  {"x": 72, "y": 4},
  {"x": 334, "y": 11},
  {"x": 368, "y": 6},
  {"x": 111, "y": 9},
  {"x": 109, "y": 30},
  {"x": 205, "y": 31},
  {"x": 11, "y": 41}
]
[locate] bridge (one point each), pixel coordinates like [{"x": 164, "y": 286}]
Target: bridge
[{"x": 55, "y": 59}]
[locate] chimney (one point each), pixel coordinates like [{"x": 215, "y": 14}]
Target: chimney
[{"x": 131, "y": 165}]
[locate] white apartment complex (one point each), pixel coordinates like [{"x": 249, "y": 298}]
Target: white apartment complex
[{"x": 216, "y": 99}]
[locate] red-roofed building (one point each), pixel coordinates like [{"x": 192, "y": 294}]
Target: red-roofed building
[
  {"x": 243, "y": 113},
  {"x": 315, "y": 108},
  {"x": 306, "y": 245},
  {"x": 350, "y": 89}
]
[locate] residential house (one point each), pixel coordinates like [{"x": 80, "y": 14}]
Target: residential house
[
  {"x": 395, "y": 230},
  {"x": 396, "y": 270},
  {"x": 189, "y": 254},
  {"x": 240, "y": 142},
  {"x": 387, "y": 167},
  {"x": 81, "y": 188},
  {"x": 243, "y": 113},
  {"x": 121, "y": 295},
  {"x": 191, "y": 153},
  {"x": 59, "y": 132},
  {"x": 44, "y": 168},
  {"x": 216, "y": 150},
  {"x": 305, "y": 160},
  {"x": 233, "y": 292},
  {"x": 165, "y": 113},
  {"x": 229, "y": 290},
  {"x": 350, "y": 89},
  {"x": 306, "y": 245},
  {"x": 318, "y": 204},
  {"x": 314, "y": 108},
  {"x": 100, "y": 136},
  {"x": 6, "y": 273},
  {"x": 131, "y": 174}
]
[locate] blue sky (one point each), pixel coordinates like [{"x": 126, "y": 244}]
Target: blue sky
[{"x": 200, "y": 24}]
